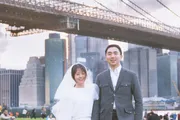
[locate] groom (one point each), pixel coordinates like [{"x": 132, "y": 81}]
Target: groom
[{"x": 118, "y": 88}]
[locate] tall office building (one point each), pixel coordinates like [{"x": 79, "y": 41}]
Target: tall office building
[
  {"x": 167, "y": 74},
  {"x": 90, "y": 44},
  {"x": 159, "y": 51},
  {"x": 92, "y": 62},
  {"x": 143, "y": 61},
  {"x": 71, "y": 50},
  {"x": 131, "y": 46},
  {"x": 32, "y": 86},
  {"x": 93, "y": 50},
  {"x": 178, "y": 72},
  {"x": 42, "y": 60},
  {"x": 54, "y": 65},
  {"x": 9, "y": 87}
]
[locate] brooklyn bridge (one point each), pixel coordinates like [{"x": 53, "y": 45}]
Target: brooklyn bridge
[{"x": 70, "y": 17}]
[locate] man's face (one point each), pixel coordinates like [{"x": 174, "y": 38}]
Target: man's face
[{"x": 113, "y": 57}]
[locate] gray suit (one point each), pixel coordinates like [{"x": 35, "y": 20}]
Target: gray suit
[{"x": 127, "y": 87}]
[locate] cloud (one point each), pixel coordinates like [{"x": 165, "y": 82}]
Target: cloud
[
  {"x": 3, "y": 41},
  {"x": 119, "y": 6},
  {"x": 152, "y": 4},
  {"x": 172, "y": 19},
  {"x": 21, "y": 48}
]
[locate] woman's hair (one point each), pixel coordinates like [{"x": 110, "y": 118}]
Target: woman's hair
[{"x": 74, "y": 70}]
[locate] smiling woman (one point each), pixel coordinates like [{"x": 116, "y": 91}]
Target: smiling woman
[
  {"x": 79, "y": 75},
  {"x": 76, "y": 95}
]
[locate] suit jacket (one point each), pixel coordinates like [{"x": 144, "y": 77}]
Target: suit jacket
[
  {"x": 153, "y": 117},
  {"x": 127, "y": 89}
]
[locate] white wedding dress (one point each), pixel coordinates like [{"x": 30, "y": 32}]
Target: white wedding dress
[{"x": 77, "y": 105}]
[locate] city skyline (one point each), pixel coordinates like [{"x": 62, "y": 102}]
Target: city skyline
[
  {"x": 34, "y": 65},
  {"x": 15, "y": 51},
  {"x": 142, "y": 60},
  {"x": 20, "y": 49}
]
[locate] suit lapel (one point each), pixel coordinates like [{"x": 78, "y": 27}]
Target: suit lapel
[
  {"x": 120, "y": 78},
  {"x": 109, "y": 80}
]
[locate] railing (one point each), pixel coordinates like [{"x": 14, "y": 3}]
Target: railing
[{"x": 59, "y": 6}]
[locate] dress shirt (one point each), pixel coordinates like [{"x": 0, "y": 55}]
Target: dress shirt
[{"x": 114, "y": 77}]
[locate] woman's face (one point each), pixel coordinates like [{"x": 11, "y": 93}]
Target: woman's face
[{"x": 80, "y": 77}]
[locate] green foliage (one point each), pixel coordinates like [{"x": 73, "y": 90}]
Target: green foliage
[{"x": 29, "y": 119}]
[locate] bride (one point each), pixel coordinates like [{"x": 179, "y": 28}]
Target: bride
[{"x": 76, "y": 95}]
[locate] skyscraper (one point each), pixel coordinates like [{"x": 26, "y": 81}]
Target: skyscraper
[
  {"x": 142, "y": 61},
  {"x": 93, "y": 50},
  {"x": 178, "y": 79},
  {"x": 90, "y": 44},
  {"x": 131, "y": 46},
  {"x": 9, "y": 87},
  {"x": 167, "y": 74},
  {"x": 32, "y": 87},
  {"x": 54, "y": 64},
  {"x": 71, "y": 50}
]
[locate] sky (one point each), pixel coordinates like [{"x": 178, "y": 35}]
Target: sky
[{"x": 15, "y": 51}]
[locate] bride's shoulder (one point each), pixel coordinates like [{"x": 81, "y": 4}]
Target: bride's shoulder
[{"x": 93, "y": 86}]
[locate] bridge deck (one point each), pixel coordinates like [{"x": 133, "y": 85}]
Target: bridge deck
[{"x": 93, "y": 22}]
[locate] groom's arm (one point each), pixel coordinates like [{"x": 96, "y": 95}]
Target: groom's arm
[
  {"x": 137, "y": 97},
  {"x": 96, "y": 105}
]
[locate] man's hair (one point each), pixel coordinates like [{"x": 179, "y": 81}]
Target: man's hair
[{"x": 113, "y": 45}]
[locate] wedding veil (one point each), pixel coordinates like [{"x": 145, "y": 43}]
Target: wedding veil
[{"x": 67, "y": 84}]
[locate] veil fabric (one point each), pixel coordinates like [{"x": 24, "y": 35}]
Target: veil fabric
[
  {"x": 70, "y": 100},
  {"x": 67, "y": 84}
]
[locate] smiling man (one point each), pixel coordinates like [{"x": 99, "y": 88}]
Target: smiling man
[{"x": 118, "y": 88}]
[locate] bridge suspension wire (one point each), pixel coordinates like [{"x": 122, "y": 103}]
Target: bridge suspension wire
[
  {"x": 81, "y": 11},
  {"x": 135, "y": 9},
  {"x": 146, "y": 16},
  {"x": 110, "y": 10},
  {"x": 142, "y": 10},
  {"x": 168, "y": 8},
  {"x": 147, "y": 13},
  {"x": 139, "y": 13}
]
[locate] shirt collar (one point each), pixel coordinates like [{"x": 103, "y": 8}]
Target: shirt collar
[{"x": 116, "y": 70}]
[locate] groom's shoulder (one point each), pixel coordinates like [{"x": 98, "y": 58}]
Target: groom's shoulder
[
  {"x": 103, "y": 73},
  {"x": 129, "y": 72}
]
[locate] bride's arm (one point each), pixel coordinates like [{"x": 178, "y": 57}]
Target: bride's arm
[{"x": 96, "y": 108}]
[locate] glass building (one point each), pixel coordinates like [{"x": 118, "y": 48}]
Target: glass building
[
  {"x": 143, "y": 61},
  {"x": 9, "y": 87},
  {"x": 54, "y": 65},
  {"x": 167, "y": 74},
  {"x": 93, "y": 50},
  {"x": 32, "y": 84}
]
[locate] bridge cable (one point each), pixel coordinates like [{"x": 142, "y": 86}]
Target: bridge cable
[
  {"x": 135, "y": 10},
  {"x": 149, "y": 14},
  {"x": 144, "y": 10},
  {"x": 127, "y": 5},
  {"x": 168, "y": 8},
  {"x": 111, "y": 10},
  {"x": 130, "y": 7},
  {"x": 144, "y": 15}
]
